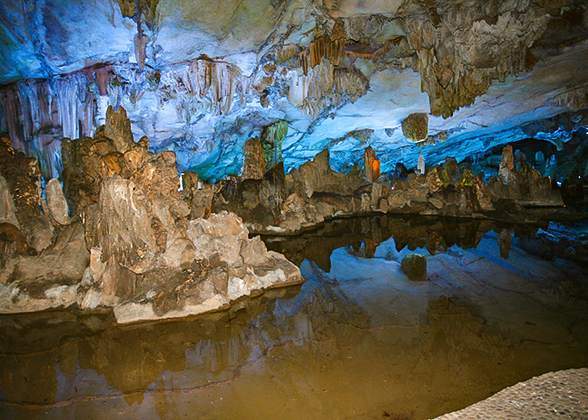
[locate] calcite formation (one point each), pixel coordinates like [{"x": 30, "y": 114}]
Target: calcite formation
[
  {"x": 371, "y": 165},
  {"x": 314, "y": 192},
  {"x": 416, "y": 127},
  {"x": 254, "y": 164},
  {"x": 202, "y": 79},
  {"x": 132, "y": 243}
]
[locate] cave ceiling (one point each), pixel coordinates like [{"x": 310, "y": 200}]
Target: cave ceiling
[{"x": 202, "y": 77}]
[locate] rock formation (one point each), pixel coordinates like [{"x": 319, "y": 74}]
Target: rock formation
[
  {"x": 133, "y": 244},
  {"x": 313, "y": 193},
  {"x": 416, "y": 127},
  {"x": 371, "y": 164},
  {"x": 322, "y": 68}
]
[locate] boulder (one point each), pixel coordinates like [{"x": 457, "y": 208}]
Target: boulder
[{"x": 416, "y": 127}]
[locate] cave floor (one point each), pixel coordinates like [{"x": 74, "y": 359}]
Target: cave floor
[{"x": 358, "y": 340}]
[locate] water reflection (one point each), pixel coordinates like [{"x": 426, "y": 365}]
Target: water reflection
[
  {"x": 364, "y": 235},
  {"x": 357, "y": 340}
]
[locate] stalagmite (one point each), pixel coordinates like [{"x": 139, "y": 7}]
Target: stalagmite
[
  {"x": 254, "y": 164},
  {"x": 421, "y": 165},
  {"x": 271, "y": 141},
  {"x": 56, "y": 202},
  {"x": 371, "y": 164}
]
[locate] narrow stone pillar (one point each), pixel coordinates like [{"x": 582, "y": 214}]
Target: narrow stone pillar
[
  {"x": 371, "y": 164},
  {"x": 254, "y": 163}
]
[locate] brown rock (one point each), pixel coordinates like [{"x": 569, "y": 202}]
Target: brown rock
[
  {"x": 371, "y": 164},
  {"x": 123, "y": 226},
  {"x": 506, "y": 164},
  {"x": 56, "y": 202},
  {"x": 254, "y": 164},
  {"x": 22, "y": 178},
  {"x": 415, "y": 267},
  {"x": 118, "y": 129},
  {"x": 254, "y": 252},
  {"x": 415, "y": 127}
]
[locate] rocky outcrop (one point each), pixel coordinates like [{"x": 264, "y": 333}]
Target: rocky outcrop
[
  {"x": 254, "y": 163},
  {"x": 134, "y": 244},
  {"x": 314, "y": 192},
  {"x": 525, "y": 185}
]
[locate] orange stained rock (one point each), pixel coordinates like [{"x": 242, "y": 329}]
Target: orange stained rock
[{"x": 371, "y": 164}]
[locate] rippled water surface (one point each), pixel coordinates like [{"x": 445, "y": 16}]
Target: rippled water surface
[{"x": 358, "y": 340}]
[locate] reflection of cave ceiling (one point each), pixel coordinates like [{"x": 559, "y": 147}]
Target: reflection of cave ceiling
[{"x": 200, "y": 77}]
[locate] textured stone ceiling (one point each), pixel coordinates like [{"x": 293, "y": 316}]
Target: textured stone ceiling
[{"x": 202, "y": 77}]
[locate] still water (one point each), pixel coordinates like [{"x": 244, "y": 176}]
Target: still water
[{"x": 358, "y": 340}]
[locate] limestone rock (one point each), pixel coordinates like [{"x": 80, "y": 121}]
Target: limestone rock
[
  {"x": 7, "y": 207},
  {"x": 56, "y": 202},
  {"x": 12, "y": 243},
  {"x": 317, "y": 176},
  {"x": 450, "y": 173},
  {"x": 123, "y": 226},
  {"x": 63, "y": 263},
  {"x": 22, "y": 183},
  {"x": 421, "y": 165},
  {"x": 118, "y": 129},
  {"x": 272, "y": 189},
  {"x": 254, "y": 252},
  {"x": 198, "y": 195},
  {"x": 415, "y": 127},
  {"x": 254, "y": 164},
  {"x": 415, "y": 267},
  {"x": 271, "y": 141}
]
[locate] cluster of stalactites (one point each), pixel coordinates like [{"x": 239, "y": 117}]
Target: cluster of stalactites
[
  {"x": 205, "y": 86},
  {"x": 38, "y": 114},
  {"x": 325, "y": 86},
  {"x": 460, "y": 51}
]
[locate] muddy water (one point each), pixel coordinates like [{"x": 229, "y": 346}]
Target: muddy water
[{"x": 358, "y": 340}]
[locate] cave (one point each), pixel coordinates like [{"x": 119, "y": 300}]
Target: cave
[{"x": 294, "y": 209}]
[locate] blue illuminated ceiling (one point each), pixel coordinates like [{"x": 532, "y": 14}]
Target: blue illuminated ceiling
[{"x": 201, "y": 77}]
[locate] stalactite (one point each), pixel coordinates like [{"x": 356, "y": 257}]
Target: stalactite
[
  {"x": 458, "y": 61},
  {"x": 39, "y": 114}
]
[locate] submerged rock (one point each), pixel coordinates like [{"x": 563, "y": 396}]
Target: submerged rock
[{"x": 415, "y": 267}]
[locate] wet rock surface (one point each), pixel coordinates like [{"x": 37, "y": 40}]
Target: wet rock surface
[{"x": 415, "y": 267}]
